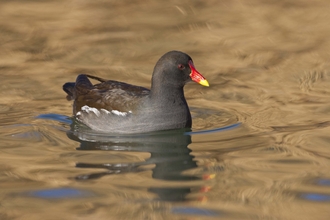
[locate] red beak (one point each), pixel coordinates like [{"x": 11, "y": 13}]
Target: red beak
[{"x": 196, "y": 76}]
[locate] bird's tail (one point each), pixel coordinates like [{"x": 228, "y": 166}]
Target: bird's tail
[{"x": 69, "y": 89}]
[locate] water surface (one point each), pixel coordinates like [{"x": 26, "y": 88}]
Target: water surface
[{"x": 259, "y": 147}]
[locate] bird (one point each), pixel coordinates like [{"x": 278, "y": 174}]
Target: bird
[{"x": 120, "y": 108}]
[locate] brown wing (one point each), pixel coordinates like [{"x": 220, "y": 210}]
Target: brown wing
[{"x": 109, "y": 94}]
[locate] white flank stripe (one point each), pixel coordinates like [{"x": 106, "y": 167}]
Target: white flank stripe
[
  {"x": 105, "y": 111},
  {"x": 118, "y": 113},
  {"x": 88, "y": 109}
]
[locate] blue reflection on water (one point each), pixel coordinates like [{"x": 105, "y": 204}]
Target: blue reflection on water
[
  {"x": 316, "y": 197},
  {"x": 56, "y": 117},
  {"x": 59, "y": 193},
  {"x": 324, "y": 182},
  {"x": 193, "y": 211}
]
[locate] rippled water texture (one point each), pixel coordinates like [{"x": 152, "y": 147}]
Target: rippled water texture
[{"x": 260, "y": 145}]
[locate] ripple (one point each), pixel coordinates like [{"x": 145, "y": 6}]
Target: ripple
[{"x": 225, "y": 128}]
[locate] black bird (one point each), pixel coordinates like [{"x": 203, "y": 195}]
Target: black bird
[{"x": 117, "y": 107}]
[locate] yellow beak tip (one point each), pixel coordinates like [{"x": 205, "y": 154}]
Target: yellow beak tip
[{"x": 204, "y": 82}]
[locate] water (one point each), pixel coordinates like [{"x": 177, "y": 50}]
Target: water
[{"x": 259, "y": 148}]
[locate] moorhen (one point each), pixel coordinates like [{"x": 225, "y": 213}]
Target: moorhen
[{"x": 117, "y": 107}]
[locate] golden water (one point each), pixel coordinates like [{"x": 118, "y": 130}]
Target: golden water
[{"x": 268, "y": 66}]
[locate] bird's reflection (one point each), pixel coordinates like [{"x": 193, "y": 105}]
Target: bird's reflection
[{"x": 169, "y": 153}]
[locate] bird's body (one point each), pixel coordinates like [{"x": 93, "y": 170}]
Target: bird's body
[{"x": 117, "y": 107}]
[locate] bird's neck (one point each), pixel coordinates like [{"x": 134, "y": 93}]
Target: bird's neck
[
  {"x": 167, "y": 94},
  {"x": 169, "y": 101}
]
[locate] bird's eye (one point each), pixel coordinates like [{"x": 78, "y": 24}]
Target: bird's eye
[{"x": 181, "y": 66}]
